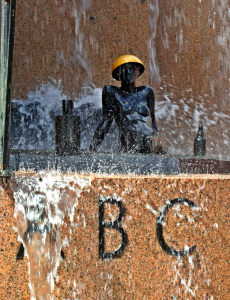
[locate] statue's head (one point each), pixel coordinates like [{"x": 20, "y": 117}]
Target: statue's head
[{"x": 127, "y": 68}]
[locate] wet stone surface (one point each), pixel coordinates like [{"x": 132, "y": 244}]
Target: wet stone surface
[
  {"x": 144, "y": 270},
  {"x": 97, "y": 163}
]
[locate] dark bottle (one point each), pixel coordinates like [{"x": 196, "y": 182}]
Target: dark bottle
[
  {"x": 67, "y": 130},
  {"x": 200, "y": 143}
]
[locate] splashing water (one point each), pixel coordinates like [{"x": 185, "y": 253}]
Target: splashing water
[
  {"x": 41, "y": 203},
  {"x": 33, "y": 121},
  {"x": 79, "y": 9},
  {"x": 78, "y": 55},
  {"x": 179, "y": 120},
  {"x": 199, "y": 96}
]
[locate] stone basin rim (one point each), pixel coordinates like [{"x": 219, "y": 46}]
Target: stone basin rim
[{"x": 122, "y": 176}]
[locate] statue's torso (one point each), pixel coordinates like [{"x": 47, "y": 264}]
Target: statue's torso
[{"x": 131, "y": 111}]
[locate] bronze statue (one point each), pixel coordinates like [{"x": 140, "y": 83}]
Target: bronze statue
[{"x": 131, "y": 107}]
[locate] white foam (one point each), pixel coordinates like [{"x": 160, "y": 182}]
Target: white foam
[{"x": 44, "y": 199}]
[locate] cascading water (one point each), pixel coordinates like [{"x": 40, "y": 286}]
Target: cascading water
[
  {"x": 153, "y": 66},
  {"x": 41, "y": 204},
  {"x": 79, "y": 9},
  {"x": 190, "y": 69},
  {"x": 44, "y": 200},
  {"x": 33, "y": 120}
]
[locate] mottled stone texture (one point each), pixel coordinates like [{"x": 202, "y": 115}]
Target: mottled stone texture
[
  {"x": 144, "y": 270},
  {"x": 120, "y": 27},
  {"x": 13, "y": 273},
  {"x": 76, "y": 42},
  {"x": 192, "y": 53}
]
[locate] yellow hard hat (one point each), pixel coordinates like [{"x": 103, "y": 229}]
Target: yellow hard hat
[{"x": 124, "y": 59}]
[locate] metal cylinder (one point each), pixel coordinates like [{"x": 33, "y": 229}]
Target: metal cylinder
[
  {"x": 67, "y": 131},
  {"x": 67, "y": 107}
]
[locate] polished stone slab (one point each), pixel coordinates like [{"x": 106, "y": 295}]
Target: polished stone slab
[
  {"x": 104, "y": 163},
  {"x": 204, "y": 165},
  {"x": 117, "y": 163}
]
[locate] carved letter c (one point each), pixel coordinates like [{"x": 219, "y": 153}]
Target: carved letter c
[{"x": 159, "y": 227}]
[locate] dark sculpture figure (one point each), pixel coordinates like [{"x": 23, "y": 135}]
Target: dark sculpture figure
[{"x": 131, "y": 107}]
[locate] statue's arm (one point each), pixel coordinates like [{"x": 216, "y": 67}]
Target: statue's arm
[
  {"x": 106, "y": 122},
  {"x": 151, "y": 105}
]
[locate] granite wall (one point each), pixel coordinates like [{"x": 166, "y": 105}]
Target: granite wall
[
  {"x": 144, "y": 270},
  {"x": 75, "y": 42},
  {"x": 192, "y": 55},
  {"x": 78, "y": 41}
]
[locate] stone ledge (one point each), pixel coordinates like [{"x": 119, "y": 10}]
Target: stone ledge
[
  {"x": 97, "y": 163},
  {"x": 115, "y": 163}
]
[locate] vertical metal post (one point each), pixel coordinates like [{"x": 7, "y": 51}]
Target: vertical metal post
[{"x": 7, "y": 45}]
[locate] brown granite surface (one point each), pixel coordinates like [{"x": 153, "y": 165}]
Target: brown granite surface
[
  {"x": 13, "y": 273},
  {"x": 199, "y": 165},
  {"x": 120, "y": 27},
  {"x": 75, "y": 42},
  {"x": 144, "y": 270},
  {"x": 191, "y": 44},
  {"x": 192, "y": 53}
]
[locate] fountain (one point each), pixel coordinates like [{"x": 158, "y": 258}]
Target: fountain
[{"x": 111, "y": 225}]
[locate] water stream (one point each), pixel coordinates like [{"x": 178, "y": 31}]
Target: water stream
[{"x": 42, "y": 202}]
